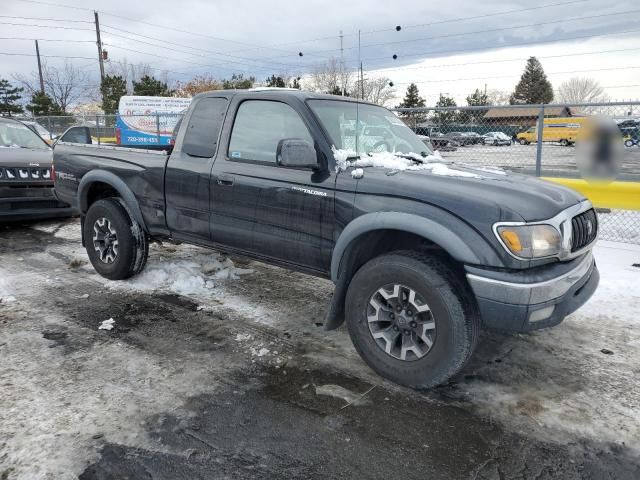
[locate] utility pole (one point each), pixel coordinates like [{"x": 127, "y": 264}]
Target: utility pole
[
  {"x": 342, "y": 62},
  {"x": 39, "y": 68},
  {"x": 361, "y": 73},
  {"x": 99, "y": 43}
]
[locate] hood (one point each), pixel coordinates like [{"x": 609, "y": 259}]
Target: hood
[
  {"x": 23, "y": 157},
  {"x": 488, "y": 196}
]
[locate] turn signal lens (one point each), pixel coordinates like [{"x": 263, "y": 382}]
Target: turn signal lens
[{"x": 512, "y": 240}]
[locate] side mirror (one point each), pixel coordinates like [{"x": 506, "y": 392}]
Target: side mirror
[
  {"x": 296, "y": 153},
  {"x": 76, "y": 135}
]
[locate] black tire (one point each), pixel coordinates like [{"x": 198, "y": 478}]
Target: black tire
[
  {"x": 132, "y": 242},
  {"x": 523, "y": 142},
  {"x": 564, "y": 142},
  {"x": 629, "y": 143},
  {"x": 451, "y": 304}
]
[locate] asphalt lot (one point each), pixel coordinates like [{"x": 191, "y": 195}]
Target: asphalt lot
[{"x": 220, "y": 368}]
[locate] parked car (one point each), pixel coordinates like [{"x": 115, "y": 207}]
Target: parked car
[
  {"x": 496, "y": 138},
  {"x": 474, "y": 137},
  {"x": 421, "y": 258},
  {"x": 459, "y": 138},
  {"x": 442, "y": 145},
  {"x": 26, "y": 176}
]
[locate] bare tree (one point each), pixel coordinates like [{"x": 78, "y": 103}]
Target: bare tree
[
  {"x": 498, "y": 97},
  {"x": 66, "y": 86},
  {"x": 198, "y": 84},
  {"x": 331, "y": 77},
  {"x": 132, "y": 72},
  {"x": 376, "y": 90},
  {"x": 581, "y": 90}
]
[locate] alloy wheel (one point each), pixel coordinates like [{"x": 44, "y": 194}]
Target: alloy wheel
[
  {"x": 401, "y": 322},
  {"x": 105, "y": 240}
]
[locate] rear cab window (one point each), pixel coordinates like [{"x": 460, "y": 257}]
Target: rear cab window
[{"x": 205, "y": 123}]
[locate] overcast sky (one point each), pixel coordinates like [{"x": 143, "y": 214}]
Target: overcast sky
[{"x": 440, "y": 46}]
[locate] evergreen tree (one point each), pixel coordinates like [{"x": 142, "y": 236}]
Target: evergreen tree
[
  {"x": 476, "y": 99},
  {"x": 445, "y": 117},
  {"x": 533, "y": 86},
  {"x": 412, "y": 99},
  {"x": 237, "y": 81},
  {"x": 43, "y": 104},
  {"x": 9, "y": 95},
  {"x": 276, "y": 81},
  {"x": 295, "y": 83},
  {"x": 112, "y": 88},
  {"x": 149, "y": 86}
]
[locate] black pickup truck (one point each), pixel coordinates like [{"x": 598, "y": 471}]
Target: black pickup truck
[{"x": 423, "y": 253}]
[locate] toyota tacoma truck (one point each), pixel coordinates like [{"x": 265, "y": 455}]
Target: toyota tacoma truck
[{"x": 423, "y": 253}]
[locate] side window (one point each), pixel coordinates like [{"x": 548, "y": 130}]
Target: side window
[
  {"x": 260, "y": 125},
  {"x": 201, "y": 138}
]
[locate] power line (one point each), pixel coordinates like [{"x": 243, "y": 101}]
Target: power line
[
  {"x": 464, "y": 64},
  {"x": 504, "y": 45},
  {"x": 48, "y": 39},
  {"x": 34, "y": 25},
  {"x": 513, "y": 27},
  {"x": 46, "y": 56},
  {"x": 45, "y": 19},
  {"x": 182, "y": 45},
  {"x": 458, "y": 19}
]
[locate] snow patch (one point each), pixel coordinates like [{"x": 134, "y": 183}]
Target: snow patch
[
  {"x": 107, "y": 324},
  {"x": 243, "y": 337},
  {"x": 357, "y": 173},
  {"x": 399, "y": 162}
]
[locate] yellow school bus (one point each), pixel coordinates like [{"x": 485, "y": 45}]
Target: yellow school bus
[{"x": 564, "y": 130}]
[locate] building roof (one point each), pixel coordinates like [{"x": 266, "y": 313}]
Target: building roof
[{"x": 528, "y": 112}]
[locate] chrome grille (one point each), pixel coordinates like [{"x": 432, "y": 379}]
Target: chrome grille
[{"x": 584, "y": 228}]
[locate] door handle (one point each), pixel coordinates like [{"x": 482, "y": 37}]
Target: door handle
[{"x": 226, "y": 180}]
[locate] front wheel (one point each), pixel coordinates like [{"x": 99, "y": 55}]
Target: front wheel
[
  {"x": 116, "y": 245},
  {"x": 629, "y": 143},
  {"x": 564, "y": 142},
  {"x": 523, "y": 142},
  {"x": 412, "y": 319}
]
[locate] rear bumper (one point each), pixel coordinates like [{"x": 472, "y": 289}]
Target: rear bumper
[{"x": 525, "y": 301}]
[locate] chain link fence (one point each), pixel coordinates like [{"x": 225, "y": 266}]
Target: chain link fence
[{"x": 540, "y": 140}]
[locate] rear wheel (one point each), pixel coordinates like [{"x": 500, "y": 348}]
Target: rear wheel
[
  {"x": 564, "y": 142},
  {"x": 523, "y": 142},
  {"x": 411, "y": 319},
  {"x": 116, "y": 245}
]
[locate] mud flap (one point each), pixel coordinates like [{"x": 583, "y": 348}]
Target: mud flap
[
  {"x": 335, "y": 313},
  {"x": 82, "y": 217}
]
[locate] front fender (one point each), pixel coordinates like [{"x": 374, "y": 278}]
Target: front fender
[
  {"x": 463, "y": 243},
  {"x": 118, "y": 184}
]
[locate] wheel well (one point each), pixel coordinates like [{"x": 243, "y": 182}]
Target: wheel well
[
  {"x": 375, "y": 243},
  {"x": 99, "y": 190}
]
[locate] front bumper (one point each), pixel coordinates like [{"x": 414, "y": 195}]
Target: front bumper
[
  {"x": 530, "y": 300},
  {"x": 30, "y": 203}
]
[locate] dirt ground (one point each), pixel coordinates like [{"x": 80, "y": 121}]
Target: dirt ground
[{"x": 220, "y": 368}]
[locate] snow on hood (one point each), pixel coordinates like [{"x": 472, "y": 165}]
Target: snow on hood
[{"x": 400, "y": 162}]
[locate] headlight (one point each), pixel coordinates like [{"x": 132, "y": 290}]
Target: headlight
[{"x": 530, "y": 241}]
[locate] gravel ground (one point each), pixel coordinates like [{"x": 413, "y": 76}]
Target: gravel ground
[{"x": 220, "y": 368}]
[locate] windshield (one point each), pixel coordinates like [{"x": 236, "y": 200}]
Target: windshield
[
  {"x": 378, "y": 130},
  {"x": 16, "y": 135}
]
